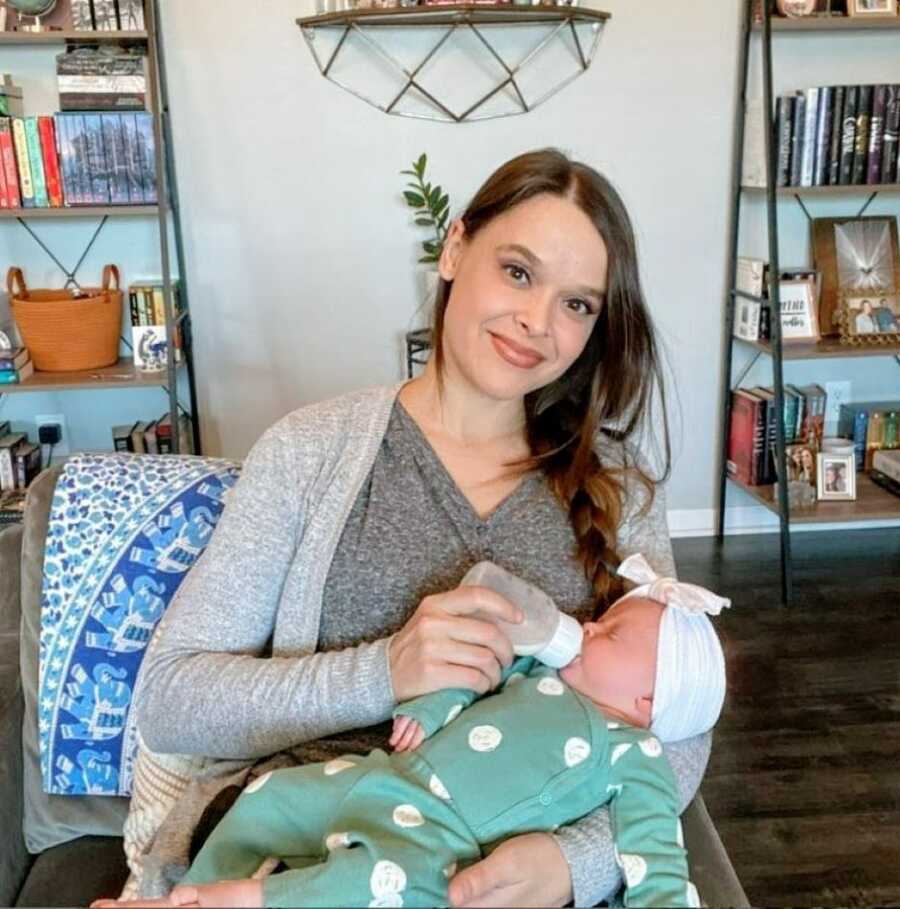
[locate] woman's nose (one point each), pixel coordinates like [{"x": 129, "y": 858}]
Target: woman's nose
[{"x": 536, "y": 316}]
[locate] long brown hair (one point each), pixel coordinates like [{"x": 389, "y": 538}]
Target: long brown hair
[{"x": 606, "y": 395}]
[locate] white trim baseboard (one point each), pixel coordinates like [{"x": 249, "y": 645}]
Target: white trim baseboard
[{"x": 701, "y": 522}]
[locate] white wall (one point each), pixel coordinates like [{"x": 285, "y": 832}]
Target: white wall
[{"x": 300, "y": 252}]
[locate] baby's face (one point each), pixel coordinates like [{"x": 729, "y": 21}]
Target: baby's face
[{"x": 617, "y": 665}]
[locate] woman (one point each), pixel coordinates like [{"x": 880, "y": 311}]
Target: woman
[{"x": 354, "y": 521}]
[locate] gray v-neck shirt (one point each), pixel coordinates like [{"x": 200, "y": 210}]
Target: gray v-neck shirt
[{"x": 412, "y": 532}]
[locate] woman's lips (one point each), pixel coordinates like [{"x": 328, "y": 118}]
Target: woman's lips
[{"x": 514, "y": 355}]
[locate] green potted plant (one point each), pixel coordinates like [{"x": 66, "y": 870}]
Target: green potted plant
[{"x": 432, "y": 210}]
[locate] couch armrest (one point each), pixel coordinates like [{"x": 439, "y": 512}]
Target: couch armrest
[
  {"x": 14, "y": 858},
  {"x": 710, "y": 868}
]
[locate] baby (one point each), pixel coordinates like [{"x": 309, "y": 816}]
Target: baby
[{"x": 544, "y": 749}]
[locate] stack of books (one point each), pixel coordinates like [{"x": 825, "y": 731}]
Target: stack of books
[
  {"x": 12, "y": 507},
  {"x": 77, "y": 159},
  {"x": 15, "y": 365},
  {"x": 154, "y": 437},
  {"x": 831, "y": 135},
  {"x": 148, "y": 325},
  {"x": 873, "y": 426},
  {"x": 20, "y": 460},
  {"x": 751, "y": 440}
]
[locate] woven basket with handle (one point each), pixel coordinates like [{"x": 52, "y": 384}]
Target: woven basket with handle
[{"x": 67, "y": 330}]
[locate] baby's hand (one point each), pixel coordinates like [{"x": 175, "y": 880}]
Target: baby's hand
[{"x": 408, "y": 734}]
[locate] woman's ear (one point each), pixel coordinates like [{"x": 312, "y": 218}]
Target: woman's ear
[{"x": 452, "y": 251}]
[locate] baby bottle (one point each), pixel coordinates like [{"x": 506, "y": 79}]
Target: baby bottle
[{"x": 545, "y": 633}]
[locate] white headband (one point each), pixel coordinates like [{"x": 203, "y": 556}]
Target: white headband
[{"x": 690, "y": 667}]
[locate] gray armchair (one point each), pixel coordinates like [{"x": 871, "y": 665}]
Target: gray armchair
[{"x": 66, "y": 851}]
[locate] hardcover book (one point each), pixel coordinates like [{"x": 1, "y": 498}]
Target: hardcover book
[
  {"x": 745, "y": 436},
  {"x": 8, "y": 163},
  {"x": 98, "y": 171},
  {"x": 26, "y": 187},
  {"x": 814, "y": 415},
  {"x": 876, "y": 134},
  {"x": 797, "y": 138},
  {"x": 146, "y": 145},
  {"x": 36, "y": 163},
  {"x": 47, "y": 133},
  {"x": 889, "y": 172},
  {"x": 114, "y": 146},
  {"x": 8, "y": 445},
  {"x": 837, "y": 127},
  {"x": 808, "y": 167},
  {"x": 131, "y": 15},
  {"x": 823, "y": 134},
  {"x": 861, "y": 148},
  {"x": 82, "y": 15},
  {"x": 784, "y": 114},
  {"x": 848, "y": 139}
]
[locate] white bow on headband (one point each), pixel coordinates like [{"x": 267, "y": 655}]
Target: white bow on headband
[{"x": 690, "y": 598}]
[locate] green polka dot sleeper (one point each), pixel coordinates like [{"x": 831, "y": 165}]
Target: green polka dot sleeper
[{"x": 390, "y": 830}]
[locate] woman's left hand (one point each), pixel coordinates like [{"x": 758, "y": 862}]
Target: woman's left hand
[{"x": 527, "y": 870}]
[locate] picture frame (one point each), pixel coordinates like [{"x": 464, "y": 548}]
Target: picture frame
[
  {"x": 852, "y": 254},
  {"x": 872, "y": 9},
  {"x": 799, "y": 310},
  {"x": 836, "y": 477},
  {"x": 801, "y": 463},
  {"x": 871, "y": 318}
]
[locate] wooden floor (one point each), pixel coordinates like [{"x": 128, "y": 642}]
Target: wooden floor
[{"x": 804, "y": 779}]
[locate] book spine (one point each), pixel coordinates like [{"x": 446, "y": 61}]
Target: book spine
[
  {"x": 823, "y": 134},
  {"x": 790, "y": 416},
  {"x": 4, "y": 195},
  {"x": 861, "y": 149},
  {"x": 7, "y": 470},
  {"x": 807, "y": 174},
  {"x": 837, "y": 126},
  {"x": 82, "y": 18},
  {"x": 82, "y": 157},
  {"x": 51, "y": 161},
  {"x": 97, "y": 165},
  {"x": 132, "y": 162},
  {"x": 147, "y": 156},
  {"x": 25, "y": 185},
  {"x": 784, "y": 110},
  {"x": 768, "y": 461},
  {"x": 8, "y": 163},
  {"x": 848, "y": 137},
  {"x": 876, "y": 134},
  {"x": 35, "y": 160},
  {"x": 65, "y": 159},
  {"x": 889, "y": 155},
  {"x": 797, "y": 138},
  {"x": 114, "y": 145}
]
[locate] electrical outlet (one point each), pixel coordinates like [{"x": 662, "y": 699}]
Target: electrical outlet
[
  {"x": 837, "y": 393},
  {"x": 61, "y": 447}
]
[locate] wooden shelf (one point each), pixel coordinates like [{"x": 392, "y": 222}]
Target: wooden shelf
[
  {"x": 872, "y": 504},
  {"x": 67, "y": 37},
  {"x": 121, "y": 375},
  {"x": 832, "y": 24},
  {"x": 81, "y": 211},
  {"x": 485, "y": 13},
  {"x": 827, "y": 348},
  {"x": 828, "y": 190}
]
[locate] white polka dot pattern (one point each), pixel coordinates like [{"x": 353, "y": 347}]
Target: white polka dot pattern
[
  {"x": 438, "y": 788},
  {"x": 455, "y": 711},
  {"x": 651, "y": 747},
  {"x": 337, "y": 765},
  {"x": 388, "y": 901},
  {"x": 634, "y": 868},
  {"x": 550, "y": 687},
  {"x": 387, "y": 878},
  {"x": 576, "y": 751},
  {"x": 679, "y": 833},
  {"x": 617, "y": 788},
  {"x": 258, "y": 783},
  {"x": 337, "y": 841},
  {"x": 450, "y": 870},
  {"x": 618, "y": 751},
  {"x": 408, "y": 816},
  {"x": 613, "y": 725},
  {"x": 485, "y": 738},
  {"x": 692, "y": 896}
]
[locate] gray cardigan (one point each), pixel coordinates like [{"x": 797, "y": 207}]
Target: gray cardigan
[{"x": 204, "y": 689}]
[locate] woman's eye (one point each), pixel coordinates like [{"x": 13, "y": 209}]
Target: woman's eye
[
  {"x": 516, "y": 272},
  {"x": 585, "y": 307}
]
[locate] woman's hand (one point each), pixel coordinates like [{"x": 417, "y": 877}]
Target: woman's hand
[
  {"x": 444, "y": 645},
  {"x": 527, "y": 870}
]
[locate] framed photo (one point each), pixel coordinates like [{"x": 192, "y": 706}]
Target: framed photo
[
  {"x": 872, "y": 8},
  {"x": 836, "y": 477},
  {"x": 799, "y": 318},
  {"x": 853, "y": 255},
  {"x": 746, "y": 320},
  {"x": 868, "y": 316},
  {"x": 801, "y": 464}
]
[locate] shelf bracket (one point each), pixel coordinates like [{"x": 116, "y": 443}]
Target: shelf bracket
[{"x": 71, "y": 280}]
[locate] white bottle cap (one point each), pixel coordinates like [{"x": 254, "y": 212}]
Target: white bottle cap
[{"x": 565, "y": 644}]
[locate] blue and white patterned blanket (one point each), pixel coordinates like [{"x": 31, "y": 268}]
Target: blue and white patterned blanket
[{"x": 124, "y": 530}]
